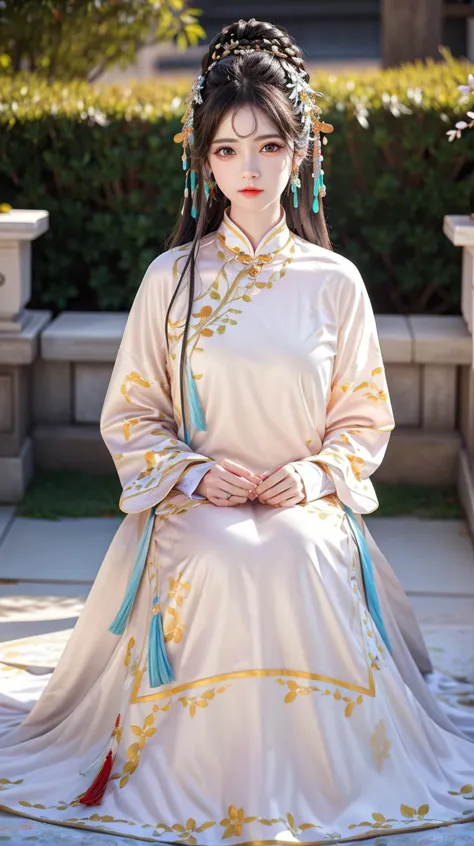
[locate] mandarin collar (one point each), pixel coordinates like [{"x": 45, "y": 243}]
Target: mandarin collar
[{"x": 237, "y": 241}]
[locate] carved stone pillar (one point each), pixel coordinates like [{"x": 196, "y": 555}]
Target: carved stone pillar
[
  {"x": 460, "y": 230},
  {"x": 19, "y": 340}
]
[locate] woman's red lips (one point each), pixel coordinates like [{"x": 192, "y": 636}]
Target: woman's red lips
[{"x": 251, "y": 191}]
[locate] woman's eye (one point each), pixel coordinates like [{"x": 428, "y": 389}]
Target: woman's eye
[{"x": 221, "y": 150}]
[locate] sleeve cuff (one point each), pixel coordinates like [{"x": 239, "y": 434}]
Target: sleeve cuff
[
  {"x": 316, "y": 482},
  {"x": 192, "y": 479}
]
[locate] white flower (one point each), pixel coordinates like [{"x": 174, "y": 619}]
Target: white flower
[
  {"x": 453, "y": 133},
  {"x": 469, "y": 88},
  {"x": 461, "y": 124},
  {"x": 361, "y": 114},
  {"x": 415, "y": 94},
  {"x": 470, "y": 115}
]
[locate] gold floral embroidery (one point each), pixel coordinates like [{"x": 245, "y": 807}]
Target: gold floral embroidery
[
  {"x": 295, "y": 690},
  {"x": 289, "y": 821},
  {"x": 382, "y": 822},
  {"x": 194, "y": 702},
  {"x": 173, "y": 627},
  {"x": 176, "y": 586},
  {"x": 5, "y": 782},
  {"x": 185, "y": 832},
  {"x": 130, "y": 645},
  {"x": 215, "y": 318},
  {"x": 135, "y": 749},
  {"x": 176, "y": 503},
  {"x": 324, "y": 507},
  {"x": 356, "y": 466},
  {"x": 467, "y": 792},
  {"x": 254, "y": 264},
  {"x": 372, "y": 391},
  {"x": 97, "y": 818},
  {"x": 133, "y": 379},
  {"x": 246, "y": 674},
  {"x": 126, "y": 427},
  {"x": 235, "y": 821},
  {"x": 380, "y": 745}
]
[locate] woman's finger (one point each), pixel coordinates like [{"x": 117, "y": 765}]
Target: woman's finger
[
  {"x": 272, "y": 480},
  {"x": 281, "y": 502},
  {"x": 285, "y": 485},
  {"x": 225, "y": 502},
  {"x": 231, "y": 482},
  {"x": 240, "y": 471}
]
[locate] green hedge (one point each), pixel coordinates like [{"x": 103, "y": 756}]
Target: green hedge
[{"x": 103, "y": 162}]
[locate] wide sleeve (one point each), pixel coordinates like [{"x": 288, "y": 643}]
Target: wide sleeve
[
  {"x": 359, "y": 416},
  {"x": 137, "y": 421}
]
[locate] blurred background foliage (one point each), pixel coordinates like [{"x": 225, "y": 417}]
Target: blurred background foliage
[
  {"x": 102, "y": 161},
  {"x": 80, "y": 39}
]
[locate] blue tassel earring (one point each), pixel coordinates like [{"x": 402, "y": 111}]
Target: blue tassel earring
[
  {"x": 368, "y": 578},
  {"x": 318, "y": 173},
  {"x": 295, "y": 184},
  {"x": 193, "y": 193},
  {"x": 159, "y": 668}
]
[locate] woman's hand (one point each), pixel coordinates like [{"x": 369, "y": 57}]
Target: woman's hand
[
  {"x": 281, "y": 487},
  {"x": 228, "y": 477}
]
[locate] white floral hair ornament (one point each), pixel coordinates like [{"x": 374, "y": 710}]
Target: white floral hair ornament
[{"x": 301, "y": 94}]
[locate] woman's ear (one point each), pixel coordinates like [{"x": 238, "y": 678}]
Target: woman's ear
[{"x": 299, "y": 154}]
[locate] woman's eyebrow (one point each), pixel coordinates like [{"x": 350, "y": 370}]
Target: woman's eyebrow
[{"x": 236, "y": 140}]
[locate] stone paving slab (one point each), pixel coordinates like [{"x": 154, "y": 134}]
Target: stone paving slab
[
  {"x": 428, "y": 556},
  {"x": 66, "y": 550},
  {"x": 32, "y": 628},
  {"x": 444, "y": 610}
]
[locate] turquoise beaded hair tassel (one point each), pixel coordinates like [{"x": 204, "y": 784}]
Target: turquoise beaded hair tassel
[
  {"x": 193, "y": 193},
  {"x": 295, "y": 184}
]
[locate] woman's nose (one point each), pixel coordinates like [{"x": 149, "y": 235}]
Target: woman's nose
[{"x": 250, "y": 172}]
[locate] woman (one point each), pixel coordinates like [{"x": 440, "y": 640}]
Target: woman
[{"x": 256, "y": 685}]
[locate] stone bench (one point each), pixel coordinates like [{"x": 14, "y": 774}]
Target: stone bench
[{"x": 427, "y": 361}]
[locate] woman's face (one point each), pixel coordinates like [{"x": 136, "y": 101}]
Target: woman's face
[{"x": 261, "y": 160}]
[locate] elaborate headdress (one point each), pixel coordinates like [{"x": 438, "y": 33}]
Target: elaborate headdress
[{"x": 304, "y": 102}]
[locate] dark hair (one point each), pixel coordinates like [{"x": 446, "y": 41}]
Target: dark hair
[{"x": 257, "y": 79}]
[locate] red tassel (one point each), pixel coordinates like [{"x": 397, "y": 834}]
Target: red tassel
[{"x": 94, "y": 794}]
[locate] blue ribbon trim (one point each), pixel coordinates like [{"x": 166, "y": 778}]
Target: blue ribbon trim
[
  {"x": 120, "y": 622},
  {"x": 368, "y": 578}
]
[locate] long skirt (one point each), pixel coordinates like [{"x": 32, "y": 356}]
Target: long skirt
[{"x": 291, "y": 716}]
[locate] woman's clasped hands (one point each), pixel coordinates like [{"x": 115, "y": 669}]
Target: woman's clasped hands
[{"x": 281, "y": 487}]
